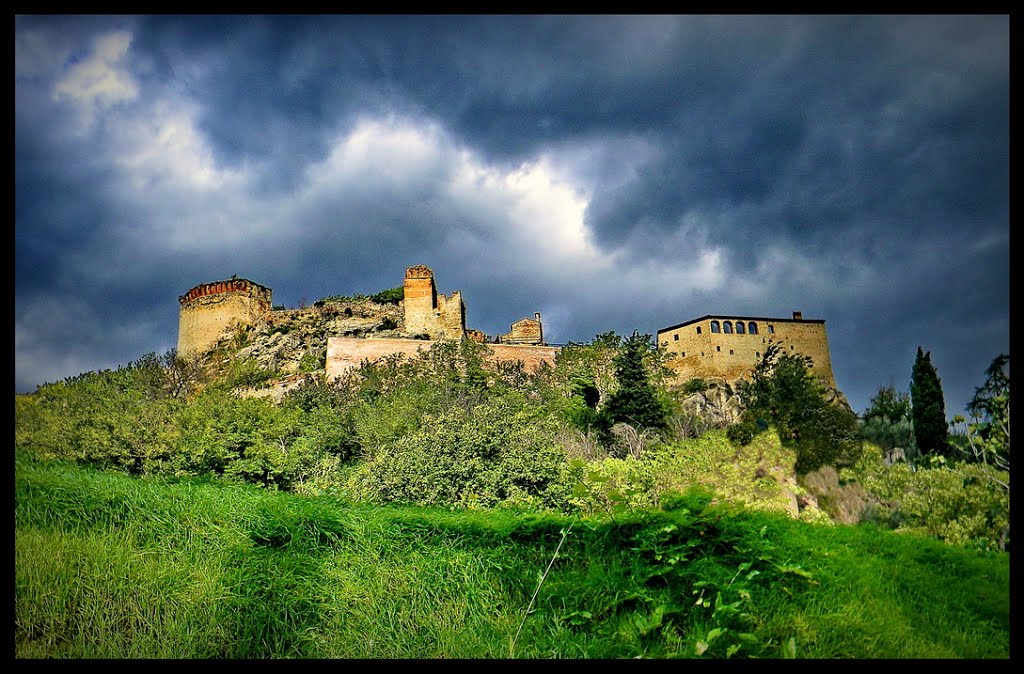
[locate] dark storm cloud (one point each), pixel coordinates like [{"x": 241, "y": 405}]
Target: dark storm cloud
[{"x": 613, "y": 172}]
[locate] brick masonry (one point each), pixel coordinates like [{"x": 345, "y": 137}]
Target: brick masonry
[{"x": 344, "y": 353}]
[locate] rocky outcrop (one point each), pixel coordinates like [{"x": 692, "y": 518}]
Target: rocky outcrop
[
  {"x": 717, "y": 403},
  {"x": 292, "y": 342}
]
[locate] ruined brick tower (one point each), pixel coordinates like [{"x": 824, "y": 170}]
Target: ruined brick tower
[
  {"x": 429, "y": 313},
  {"x": 209, "y": 308}
]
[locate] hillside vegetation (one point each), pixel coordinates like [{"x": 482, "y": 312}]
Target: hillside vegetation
[
  {"x": 445, "y": 506},
  {"x": 109, "y": 566}
]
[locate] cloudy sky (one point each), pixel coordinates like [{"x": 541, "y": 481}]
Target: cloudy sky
[{"x": 612, "y": 172}]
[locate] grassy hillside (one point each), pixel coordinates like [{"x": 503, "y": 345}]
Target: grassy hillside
[{"x": 112, "y": 566}]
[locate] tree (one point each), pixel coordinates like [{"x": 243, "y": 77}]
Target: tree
[
  {"x": 988, "y": 430},
  {"x": 635, "y": 401},
  {"x": 928, "y": 407},
  {"x": 888, "y": 421},
  {"x": 783, "y": 392}
]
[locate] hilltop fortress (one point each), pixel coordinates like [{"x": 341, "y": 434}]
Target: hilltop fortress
[
  {"x": 424, "y": 316},
  {"x": 711, "y": 347}
]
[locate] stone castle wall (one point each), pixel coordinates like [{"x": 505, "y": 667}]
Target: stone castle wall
[
  {"x": 695, "y": 351},
  {"x": 345, "y": 353},
  {"x": 208, "y": 309}
]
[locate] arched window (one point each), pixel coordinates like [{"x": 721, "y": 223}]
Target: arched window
[
  {"x": 714, "y": 326},
  {"x": 739, "y": 327},
  {"x": 727, "y": 327},
  {"x": 753, "y": 327}
]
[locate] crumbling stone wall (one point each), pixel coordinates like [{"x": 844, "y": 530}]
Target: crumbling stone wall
[
  {"x": 697, "y": 351},
  {"x": 208, "y": 309}
]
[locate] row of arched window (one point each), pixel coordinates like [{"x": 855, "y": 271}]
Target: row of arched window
[{"x": 727, "y": 327}]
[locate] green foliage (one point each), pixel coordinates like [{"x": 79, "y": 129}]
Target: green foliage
[
  {"x": 695, "y": 385},
  {"x": 500, "y": 452},
  {"x": 986, "y": 436},
  {"x": 750, "y": 475},
  {"x": 889, "y": 404},
  {"x": 635, "y": 402},
  {"x": 888, "y": 423},
  {"x": 118, "y": 419},
  {"x": 782, "y": 392},
  {"x": 929, "y": 409},
  {"x": 108, "y": 566},
  {"x": 959, "y": 503},
  {"x": 248, "y": 373},
  {"x": 251, "y": 439},
  {"x": 888, "y": 435},
  {"x": 313, "y": 360},
  {"x": 389, "y": 296},
  {"x": 743, "y": 432}
]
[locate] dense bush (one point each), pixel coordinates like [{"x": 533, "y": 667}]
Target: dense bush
[
  {"x": 958, "y": 502},
  {"x": 501, "y": 452}
]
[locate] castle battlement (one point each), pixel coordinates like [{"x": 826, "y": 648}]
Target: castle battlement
[{"x": 208, "y": 309}]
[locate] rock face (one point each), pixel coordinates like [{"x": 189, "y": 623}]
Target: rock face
[
  {"x": 294, "y": 341},
  {"x": 720, "y": 405},
  {"x": 717, "y": 403}
]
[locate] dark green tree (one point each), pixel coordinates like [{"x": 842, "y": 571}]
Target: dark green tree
[
  {"x": 635, "y": 401},
  {"x": 928, "y": 407},
  {"x": 783, "y": 392}
]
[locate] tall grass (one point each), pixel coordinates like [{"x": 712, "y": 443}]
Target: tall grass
[{"x": 108, "y": 566}]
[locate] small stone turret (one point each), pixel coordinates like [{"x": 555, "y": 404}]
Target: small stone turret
[{"x": 208, "y": 309}]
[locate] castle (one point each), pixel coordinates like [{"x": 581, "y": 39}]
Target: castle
[
  {"x": 728, "y": 347},
  {"x": 709, "y": 347},
  {"x": 425, "y": 317}
]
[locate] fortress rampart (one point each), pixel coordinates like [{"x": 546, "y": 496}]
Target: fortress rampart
[
  {"x": 210, "y": 308},
  {"x": 345, "y": 353},
  {"x": 728, "y": 347}
]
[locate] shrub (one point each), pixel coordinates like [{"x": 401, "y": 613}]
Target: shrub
[
  {"x": 389, "y": 296},
  {"x": 695, "y": 385},
  {"x": 248, "y": 373},
  {"x": 500, "y": 452}
]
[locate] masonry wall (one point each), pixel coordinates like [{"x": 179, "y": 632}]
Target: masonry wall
[
  {"x": 208, "y": 309},
  {"x": 428, "y": 312},
  {"x": 344, "y": 353},
  {"x": 695, "y": 351},
  {"x": 524, "y": 331}
]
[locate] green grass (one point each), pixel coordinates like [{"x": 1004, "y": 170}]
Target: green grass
[{"x": 109, "y": 566}]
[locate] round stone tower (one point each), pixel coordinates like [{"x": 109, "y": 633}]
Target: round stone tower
[{"x": 210, "y": 308}]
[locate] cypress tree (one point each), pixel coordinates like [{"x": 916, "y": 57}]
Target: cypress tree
[{"x": 928, "y": 407}]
